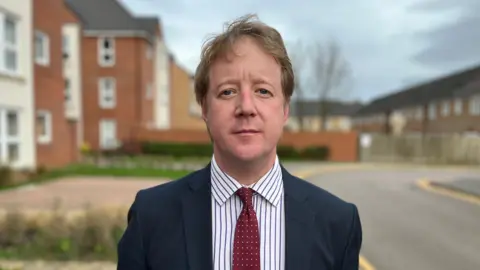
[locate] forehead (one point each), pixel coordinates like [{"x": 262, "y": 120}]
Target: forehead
[{"x": 246, "y": 59}]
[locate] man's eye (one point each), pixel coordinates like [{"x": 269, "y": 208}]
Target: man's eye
[
  {"x": 227, "y": 92},
  {"x": 263, "y": 91}
]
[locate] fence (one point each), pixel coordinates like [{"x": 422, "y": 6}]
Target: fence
[
  {"x": 428, "y": 149},
  {"x": 343, "y": 146}
]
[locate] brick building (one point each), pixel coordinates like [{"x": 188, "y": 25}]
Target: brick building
[
  {"x": 17, "y": 147},
  {"x": 450, "y": 104},
  {"x": 118, "y": 71},
  {"x": 186, "y": 113},
  {"x": 56, "y": 83}
]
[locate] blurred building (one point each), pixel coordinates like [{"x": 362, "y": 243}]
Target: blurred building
[
  {"x": 17, "y": 98},
  {"x": 309, "y": 113},
  {"x": 446, "y": 105},
  {"x": 57, "y": 83}
]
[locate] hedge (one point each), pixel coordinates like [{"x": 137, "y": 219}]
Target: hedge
[
  {"x": 93, "y": 236},
  {"x": 205, "y": 150}
]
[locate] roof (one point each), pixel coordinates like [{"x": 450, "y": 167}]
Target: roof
[
  {"x": 334, "y": 108},
  {"x": 460, "y": 84},
  {"x": 110, "y": 15}
]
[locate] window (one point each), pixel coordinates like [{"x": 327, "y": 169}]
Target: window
[
  {"x": 475, "y": 105},
  {"x": 149, "y": 52},
  {"x": 108, "y": 134},
  {"x": 446, "y": 108},
  {"x": 44, "y": 127},
  {"x": 106, "y": 87},
  {"x": 458, "y": 107},
  {"x": 419, "y": 113},
  {"x": 106, "y": 52},
  {"x": 65, "y": 46},
  {"x": 432, "y": 111},
  {"x": 149, "y": 91},
  {"x": 68, "y": 91},
  {"x": 194, "y": 107},
  {"x": 42, "y": 48},
  {"x": 9, "y": 136},
  {"x": 8, "y": 44}
]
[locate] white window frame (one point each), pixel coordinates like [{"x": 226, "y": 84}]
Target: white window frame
[
  {"x": 432, "y": 111},
  {"x": 65, "y": 46},
  {"x": 45, "y": 138},
  {"x": 68, "y": 90},
  {"x": 458, "y": 106},
  {"x": 7, "y": 139},
  {"x": 104, "y": 93},
  {"x": 446, "y": 108},
  {"x": 103, "y": 51},
  {"x": 475, "y": 105},
  {"x": 103, "y": 144},
  {"x": 194, "y": 108},
  {"x": 149, "y": 52},
  {"x": 149, "y": 91},
  {"x": 8, "y": 46},
  {"x": 44, "y": 59}
]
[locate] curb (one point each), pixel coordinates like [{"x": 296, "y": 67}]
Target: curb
[
  {"x": 455, "y": 189},
  {"x": 434, "y": 187}
]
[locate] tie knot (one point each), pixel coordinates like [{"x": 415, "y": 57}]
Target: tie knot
[{"x": 245, "y": 195}]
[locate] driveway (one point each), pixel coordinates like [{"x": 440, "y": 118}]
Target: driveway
[
  {"x": 406, "y": 227},
  {"x": 74, "y": 193}
]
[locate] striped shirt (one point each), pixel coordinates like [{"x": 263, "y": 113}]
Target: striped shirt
[{"x": 269, "y": 207}]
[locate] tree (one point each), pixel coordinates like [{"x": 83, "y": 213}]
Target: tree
[
  {"x": 299, "y": 60},
  {"x": 331, "y": 75}
]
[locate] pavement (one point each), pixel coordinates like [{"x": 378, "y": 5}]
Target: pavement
[
  {"x": 75, "y": 193},
  {"x": 405, "y": 226},
  {"x": 470, "y": 186}
]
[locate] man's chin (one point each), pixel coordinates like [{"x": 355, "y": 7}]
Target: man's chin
[{"x": 249, "y": 153}]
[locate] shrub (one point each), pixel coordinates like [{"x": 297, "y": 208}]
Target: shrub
[
  {"x": 6, "y": 175},
  {"x": 92, "y": 236},
  {"x": 205, "y": 150},
  {"x": 177, "y": 149},
  {"x": 316, "y": 153},
  {"x": 288, "y": 152}
]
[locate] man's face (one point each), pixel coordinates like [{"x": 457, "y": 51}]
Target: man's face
[{"x": 245, "y": 109}]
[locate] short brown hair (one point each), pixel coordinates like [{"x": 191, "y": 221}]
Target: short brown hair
[{"x": 267, "y": 37}]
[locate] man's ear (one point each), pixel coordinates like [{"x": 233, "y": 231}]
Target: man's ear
[
  {"x": 203, "y": 105},
  {"x": 286, "y": 111}
]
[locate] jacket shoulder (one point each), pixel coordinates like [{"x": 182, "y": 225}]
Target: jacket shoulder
[{"x": 166, "y": 193}]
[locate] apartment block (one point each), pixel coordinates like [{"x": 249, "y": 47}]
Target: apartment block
[
  {"x": 17, "y": 147},
  {"x": 446, "y": 105},
  {"x": 57, "y": 83},
  {"x": 186, "y": 113},
  {"x": 118, "y": 71}
]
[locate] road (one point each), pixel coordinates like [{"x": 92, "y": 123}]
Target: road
[{"x": 408, "y": 228}]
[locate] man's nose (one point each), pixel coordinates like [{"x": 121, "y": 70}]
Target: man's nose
[{"x": 246, "y": 103}]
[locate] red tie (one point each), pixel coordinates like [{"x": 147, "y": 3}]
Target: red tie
[{"x": 246, "y": 247}]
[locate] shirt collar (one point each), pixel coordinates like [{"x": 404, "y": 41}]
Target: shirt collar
[{"x": 270, "y": 186}]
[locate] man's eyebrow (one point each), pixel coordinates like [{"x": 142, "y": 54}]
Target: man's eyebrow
[{"x": 227, "y": 81}]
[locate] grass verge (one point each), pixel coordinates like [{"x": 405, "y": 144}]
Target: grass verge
[{"x": 91, "y": 170}]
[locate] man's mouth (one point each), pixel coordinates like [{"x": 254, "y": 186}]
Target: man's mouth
[{"x": 246, "y": 131}]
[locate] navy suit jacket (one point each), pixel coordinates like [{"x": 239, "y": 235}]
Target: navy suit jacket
[{"x": 169, "y": 227}]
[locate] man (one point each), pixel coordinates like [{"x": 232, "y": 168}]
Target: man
[{"x": 243, "y": 210}]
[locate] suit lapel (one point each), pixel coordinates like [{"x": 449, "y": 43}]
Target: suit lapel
[
  {"x": 298, "y": 225},
  {"x": 196, "y": 207}
]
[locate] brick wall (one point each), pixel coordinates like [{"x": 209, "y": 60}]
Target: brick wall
[
  {"x": 342, "y": 145},
  {"x": 450, "y": 123},
  {"x": 132, "y": 71},
  {"x": 49, "y": 16},
  {"x": 180, "y": 98}
]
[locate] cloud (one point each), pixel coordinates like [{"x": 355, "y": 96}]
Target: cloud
[
  {"x": 376, "y": 36},
  {"x": 455, "y": 43}
]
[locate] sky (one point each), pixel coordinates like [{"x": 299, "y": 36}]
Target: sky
[{"x": 389, "y": 44}]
